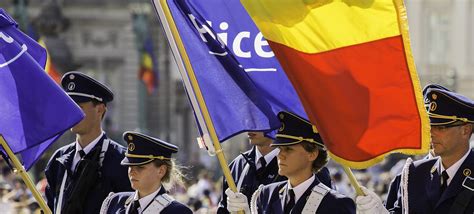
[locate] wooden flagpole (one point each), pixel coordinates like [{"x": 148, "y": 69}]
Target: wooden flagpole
[
  {"x": 186, "y": 68},
  {"x": 20, "y": 169}
]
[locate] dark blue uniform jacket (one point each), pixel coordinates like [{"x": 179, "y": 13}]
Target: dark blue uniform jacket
[
  {"x": 424, "y": 183},
  {"x": 113, "y": 176},
  {"x": 118, "y": 204},
  {"x": 272, "y": 195},
  {"x": 252, "y": 181}
]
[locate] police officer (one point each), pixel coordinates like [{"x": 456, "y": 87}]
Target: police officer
[
  {"x": 81, "y": 175},
  {"x": 302, "y": 154},
  {"x": 442, "y": 184},
  {"x": 149, "y": 166},
  {"x": 258, "y": 166}
]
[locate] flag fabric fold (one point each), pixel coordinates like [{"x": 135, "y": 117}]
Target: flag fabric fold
[
  {"x": 34, "y": 110},
  {"x": 225, "y": 56},
  {"x": 351, "y": 65}
]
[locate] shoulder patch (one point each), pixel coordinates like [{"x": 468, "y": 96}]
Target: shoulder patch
[{"x": 468, "y": 183}]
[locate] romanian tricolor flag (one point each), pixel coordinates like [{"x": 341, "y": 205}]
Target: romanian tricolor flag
[
  {"x": 49, "y": 67},
  {"x": 147, "y": 67},
  {"x": 351, "y": 65}
]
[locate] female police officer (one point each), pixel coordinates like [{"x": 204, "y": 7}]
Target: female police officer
[
  {"x": 149, "y": 166},
  {"x": 302, "y": 154}
]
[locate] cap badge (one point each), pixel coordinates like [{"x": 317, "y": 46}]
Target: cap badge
[
  {"x": 433, "y": 106},
  {"x": 315, "y": 130},
  {"x": 282, "y": 127},
  {"x": 466, "y": 172},
  {"x": 71, "y": 86},
  {"x": 281, "y": 116},
  {"x": 72, "y": 76},
  {"x": 130, "y": 137},
  {"x": 131, "y": 147},
  {"x": 434, "y": 96}
]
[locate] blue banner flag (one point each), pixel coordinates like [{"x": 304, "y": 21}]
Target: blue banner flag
[
  {"x": 242, "y": 83},
  {"x": 34, "y": 110}
]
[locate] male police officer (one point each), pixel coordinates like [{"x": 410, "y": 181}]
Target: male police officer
[
  {"x": 301, "y": 154},
  {"x": 81, "y": 175},
  {"x": 258, "y": 166},
  {"x": 442, "y": 184}
]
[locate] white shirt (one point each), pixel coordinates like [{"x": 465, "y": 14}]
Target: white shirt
[
  {"x": 455, "y": 167},
  {"x": 145, "y": 200},
  {"x": 268, "y": 157},
  {"x": 301, "y": 188},
  {"x": 88, "y": 148}
]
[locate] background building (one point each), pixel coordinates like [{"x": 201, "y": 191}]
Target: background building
[{"x": 442, "y": 40}]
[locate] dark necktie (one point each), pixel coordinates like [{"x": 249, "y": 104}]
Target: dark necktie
[
  {"x": 263, "y": 164},
  {"x": 82, "y": 153},
  {"x": 134, "y": 207},
  {"x": 291, "y": 202},
  {"x": 444, "y": 181}
]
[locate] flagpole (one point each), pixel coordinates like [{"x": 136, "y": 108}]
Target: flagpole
[
  {"x": 353, "y": 180},
  {"x": 172, "y": 32},
  {"x": 20, "y": 169}
]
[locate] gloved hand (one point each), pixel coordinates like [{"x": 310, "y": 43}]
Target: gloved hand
[
  {"x": 369, "y": 203},
  {"x": 236, "y": 201}
]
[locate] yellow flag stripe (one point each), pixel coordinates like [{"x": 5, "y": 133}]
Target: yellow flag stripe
[
  {"x": 147, "y": 62},
  {"x": 47, "y": 66},
  {"x": 312, "y": 26}
]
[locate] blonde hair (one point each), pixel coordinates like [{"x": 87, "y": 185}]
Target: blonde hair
[{"x": 173, "y": 176}]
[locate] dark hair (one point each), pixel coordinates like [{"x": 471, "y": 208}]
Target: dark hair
[
  {"x": 322, "y": 158},
  {"x": 96, "y": 102}
]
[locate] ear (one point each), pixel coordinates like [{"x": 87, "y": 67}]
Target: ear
[
  {"x": 467, "y": 130},
  {"x": 101, "y": 108},
  {"x": 313, "y": 155},
  {"x": 162, "y": 170}
]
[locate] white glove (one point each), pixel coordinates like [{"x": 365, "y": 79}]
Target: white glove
[
  {"x": 236, "y": 201},
  {"x": 369, "y": 203}
]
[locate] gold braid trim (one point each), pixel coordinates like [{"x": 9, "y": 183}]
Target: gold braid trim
[
  {"x": 299, "y": 139},
  {"x": 147, "y": 156},
  {"x": 454, "y": 118}
]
